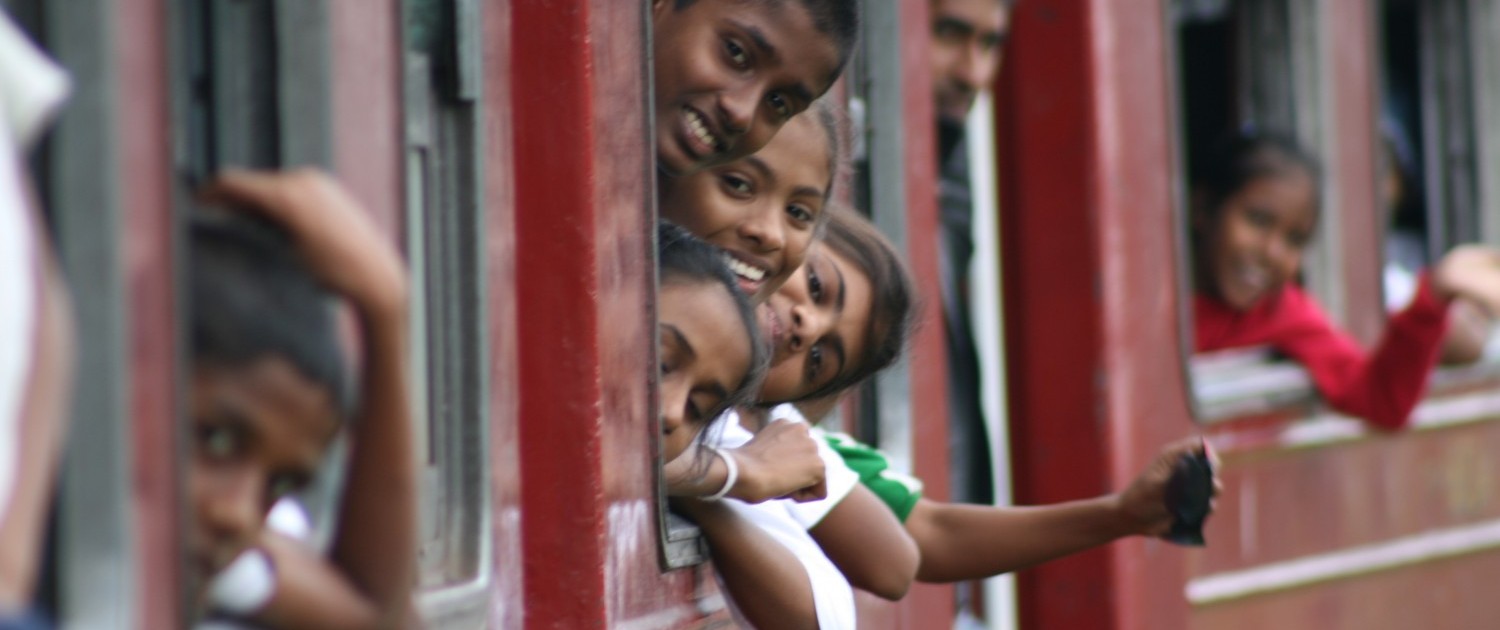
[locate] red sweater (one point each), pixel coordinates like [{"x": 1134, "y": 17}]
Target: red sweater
[{"x": 1382, "y": 387}]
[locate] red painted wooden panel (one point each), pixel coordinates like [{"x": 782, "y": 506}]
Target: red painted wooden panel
[
  {"x": 583, "y": 278},
  {"x": 145, "y": 151},
  {"x": 926, "y": 604},
  {"x": 367, "y": 118},
  {"x": 1091, "y": 292},
  {"x": 500, "y": 213},
  {"x": 1455, "y": 594},
  {"x": 1352, "y": 72}
]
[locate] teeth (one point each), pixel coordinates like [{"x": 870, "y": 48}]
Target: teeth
[
  {"x": 743, "y": 269},
  {"x": 700, "y": 130}
]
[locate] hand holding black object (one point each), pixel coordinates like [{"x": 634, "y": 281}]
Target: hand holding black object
[{"x": 1188, "y": 495}]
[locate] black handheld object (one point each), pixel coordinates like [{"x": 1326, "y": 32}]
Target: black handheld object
[{"x": 1188, "y": 493}]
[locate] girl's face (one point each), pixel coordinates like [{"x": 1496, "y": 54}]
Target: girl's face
[
  {"x": 817, "y": 323},
  {"x": 729, "y": 74},
  {"x": 1257, "y": 238},
  {"x": 761, "y": 210},
  {"x": 705, "y": 356}
]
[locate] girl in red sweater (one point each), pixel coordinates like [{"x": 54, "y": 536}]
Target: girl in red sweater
[{"x": 1255, "y": 206}]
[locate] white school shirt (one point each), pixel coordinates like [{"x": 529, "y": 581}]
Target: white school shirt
[
  {"x": 32, "y": 88},
  {"x": 788, "y": 521}
]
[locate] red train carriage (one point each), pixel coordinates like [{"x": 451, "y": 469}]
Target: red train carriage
[{"x": 505, "y": 145}]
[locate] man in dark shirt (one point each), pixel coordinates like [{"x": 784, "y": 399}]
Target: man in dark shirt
[{"x": 966, "y": 54}]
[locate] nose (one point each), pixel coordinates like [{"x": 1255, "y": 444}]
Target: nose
[
  {"x": 674, "y": 394},
  {"x": 764, "y": 228},
  {"x": 808, "y": 324},
  {"x": 973, "y": 67},
  {"x": 232, "y": 511},
  {"x": 737, "y": 108}
]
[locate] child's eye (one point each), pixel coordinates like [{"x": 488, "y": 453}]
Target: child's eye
[
  {"x": 814, "y": 362},
  {"x": 218, "y": 442},
  {"x": 737, "y": 54},
  {"x": 778, "y": 103},
  {"x": 736, "y": 185},
  {"x": 814, "y": 286},
  {"x": 1260, "y": 218},
  {"x": 800, "y": 213},
  {"x": 692, "y": 412}
]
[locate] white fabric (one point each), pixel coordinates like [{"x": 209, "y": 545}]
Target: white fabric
[
  {"x": 31, "y": 89},
  {"x": 787, "y": 522}
]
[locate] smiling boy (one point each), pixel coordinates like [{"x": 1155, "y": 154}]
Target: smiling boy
[{"x": 730, "y": 73}]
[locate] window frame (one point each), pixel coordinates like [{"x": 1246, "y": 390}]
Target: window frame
[{"x": 444, "y": 236}]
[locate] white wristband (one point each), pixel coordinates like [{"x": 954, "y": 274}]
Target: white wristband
[{"x": 730, "y": 478}]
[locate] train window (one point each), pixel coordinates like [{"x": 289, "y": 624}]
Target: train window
[
  {"x": 1435, "y": 144},
  {"x": 444, "y": 224},
  {"x": 1253, "y": 66}
]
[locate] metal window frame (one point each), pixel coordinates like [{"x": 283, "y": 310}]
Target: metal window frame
[
  {"x": 1448, "y": 123},
  {"x": 1485, "y": 41},
  {"x": 445, "y": 227},
  {"x": 95, "y": 535}
]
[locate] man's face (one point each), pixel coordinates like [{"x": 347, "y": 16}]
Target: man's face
[
  {"x": 730, "y": 74},
  {"x": 966, "y": 39}
]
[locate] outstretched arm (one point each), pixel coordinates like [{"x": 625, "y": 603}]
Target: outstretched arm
[
  {"x": 967, "y": 542},
  {"x": 374, "y": 547}
]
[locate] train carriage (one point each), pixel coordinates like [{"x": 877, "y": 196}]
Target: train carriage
[{"x": 504, "y": 144}]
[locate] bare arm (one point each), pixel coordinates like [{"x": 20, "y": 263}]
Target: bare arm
[
  {"x": 967, "y": 542},
  {"x": 310, "y": 593},
  {"x": 374, "y": 547},
  {"x": 43, "y": 427},
  {"x": 765, "y": 579},
  {"x": 863, "y": 538}
]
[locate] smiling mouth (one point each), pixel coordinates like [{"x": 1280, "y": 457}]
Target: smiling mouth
[
  {"x": 699, "y": 129},
  {"x": 750, "y": 275}
]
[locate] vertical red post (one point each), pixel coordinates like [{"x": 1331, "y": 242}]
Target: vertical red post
[
  {"x": 927, "y": 603},
  {"x": 1091, "y": 277},
  {"x": 145, "y": 151}
]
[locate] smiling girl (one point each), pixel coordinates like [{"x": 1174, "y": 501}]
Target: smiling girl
[{"x": 1255, "y": 207}]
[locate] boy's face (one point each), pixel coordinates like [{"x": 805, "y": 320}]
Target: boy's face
[
  {"x": 259, "y": 433},
  {"x": 729, "y": 73}
]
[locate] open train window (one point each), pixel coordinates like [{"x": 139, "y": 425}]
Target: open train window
[
  {"x": 1435, "y": 143},
  {"x": 1252, "y": 66},
  {"x": 445, "y": 247}
]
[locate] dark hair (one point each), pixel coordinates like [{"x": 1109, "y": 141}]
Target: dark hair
[
  {"x": 838, "y": 19},
  {"x": 893, "y": 302},
  {"x": 684, "y": 258},
  {"x": 1236, "y": 161},
  {"x": 834, "y": 122},
  {"x": 250, "y": 298}
]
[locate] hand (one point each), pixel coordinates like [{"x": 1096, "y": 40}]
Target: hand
[
  {"x": 1143, "y": 505},
  {"x": 333, "y": 232},
  {"x": 781, "y": 461},
  {"x": 1472, "y": 272}
]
